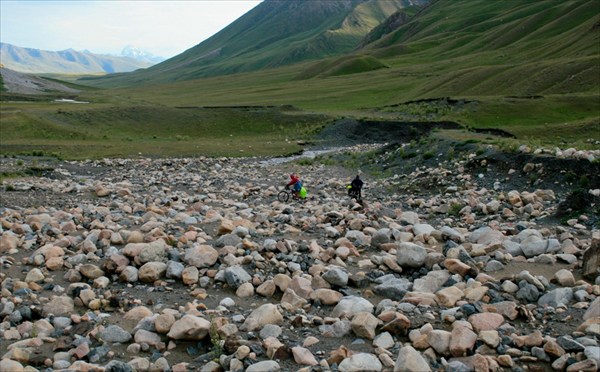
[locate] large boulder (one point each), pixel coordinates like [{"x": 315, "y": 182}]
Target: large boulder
[
  {"x": 411, "y": 255},
  {"x": 190, "y": 328}
]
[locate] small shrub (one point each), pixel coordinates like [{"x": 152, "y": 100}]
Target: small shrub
[
  {"x": 215, "y": 339},
  {"x": 570, "y": 177},
  {"x": 451, "y": 153},
  {"x": 533, "y": 178},
  {"x": 408, "y": 155},
  {"x": 9, "y": 188},
  {"x": 306, "y": 161},
  {"x": 428, "y": 155},
  {"x": 584, "y": 182},
  {"x": 455, "y": 209}
]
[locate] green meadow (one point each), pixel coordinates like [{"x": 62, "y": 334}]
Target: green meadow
[{"x": 531, "y": 69}]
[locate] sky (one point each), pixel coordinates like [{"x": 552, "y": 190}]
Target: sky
[{"x": 164, "y": 28}]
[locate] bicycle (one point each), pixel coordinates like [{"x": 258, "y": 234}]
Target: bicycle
[
  {"x": 354, "y": 193},
  {"x": 284, "y": 195}
]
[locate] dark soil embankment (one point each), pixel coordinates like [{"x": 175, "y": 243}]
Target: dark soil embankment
[
  {"x": 410, "y": 148},
  {"x": 347, "y": 132}
]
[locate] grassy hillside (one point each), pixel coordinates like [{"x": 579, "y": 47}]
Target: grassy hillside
[
  {"x": 112, "y": 130},
  {"x": 275, "y": 33},
  {"x": 531, "y": 68}
]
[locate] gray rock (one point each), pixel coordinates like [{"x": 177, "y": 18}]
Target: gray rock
[
  {"x": 357, "y": 237},
  {"x": 539, "y": 353},
  {"x": 7, "y": 308},
  {"x": 525, "y": 275},
  {"x": 174, "y": 270},
  {"x": 270, "y": 330},
  {"x": 235, "y": 276},
  {"x": 384, "y": 340},
  {"x": 486, "y": 235},
  {"x": 593, "y": 310},
  {"x": 411, "y": 255},
  {"x": 270, "y": 244},
  {"x": 410, "y": 360},
  {"x": 336, "y": 330},
  {"x": 592, "y": 352},
  {"x": 493, "y": 266},
  {"x": 535, "y": 248},
  {"x": 380, "y": 237},
  {"x": 60, "y": 305},
  {"x": 350, "y": 305},
  {"x": 394, "y": 288},
  {"x": 422, "y": 229},
  {"x": 228, "y": 239},
  {"x": 513, "y": 248},
  {"x": 409, "y": 218},
  {"x": 154, "y": 252},
  {"x": 527, "y": 292},
  {"x": 568, "y": 258},
  {"x": 261, "y": 316},
  {"x": 58, "y": 364},
  {"x": 431, "y": 282},
  {"x": 129, "y": 274},
  {"x": 264, "y": 366},
  {"x": 557, "y": 297},
  {"x": 567, "y": 343},
  {"x": 458, "y": 366},
  {"x": 449, "y": 233},
  {"x": 336, "y": 276},
  {"x": 591, "y": 260},
  {"x": 361, "y": 362},
  {"x": 115, "y": 334},
  {"x": 117, "y": 366},
  {"x": 61, "y": 322}
]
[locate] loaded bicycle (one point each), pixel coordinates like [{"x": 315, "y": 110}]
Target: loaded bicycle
[{"x": 284, "y": 195}]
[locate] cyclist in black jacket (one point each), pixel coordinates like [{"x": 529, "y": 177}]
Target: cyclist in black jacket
[{"x": 355, "y": 189}]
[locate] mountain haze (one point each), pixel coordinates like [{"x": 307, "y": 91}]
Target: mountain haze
[
  {"x": 67, "y": 61},
  {"x": 275, "y": 33}
]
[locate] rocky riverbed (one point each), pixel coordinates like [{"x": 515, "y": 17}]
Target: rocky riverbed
[{"x": 192, "y": 264}]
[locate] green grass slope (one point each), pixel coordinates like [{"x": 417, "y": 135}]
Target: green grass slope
[
  {"x": 499, "y": 47},
  {"x": 273, "y": 34},
  {"x": 353, "y": 64},
  {"x": 134, "y": 129},
  {"x": 531, "y": 68}
]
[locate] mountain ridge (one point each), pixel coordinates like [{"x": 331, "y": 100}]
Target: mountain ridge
[
  {"x": 274, "y": 34},
  {"x": 68, "y": 61}
]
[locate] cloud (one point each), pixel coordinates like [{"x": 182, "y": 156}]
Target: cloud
[{"x": 164, "y": 28}]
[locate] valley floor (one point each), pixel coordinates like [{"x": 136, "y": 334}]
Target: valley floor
[{"x": 463, "y": 263}]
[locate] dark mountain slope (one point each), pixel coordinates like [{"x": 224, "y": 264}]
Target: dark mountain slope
[{"x": 275, "y": 33}]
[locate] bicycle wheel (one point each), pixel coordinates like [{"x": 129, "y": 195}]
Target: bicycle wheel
[{"x": 283, "y": 196}]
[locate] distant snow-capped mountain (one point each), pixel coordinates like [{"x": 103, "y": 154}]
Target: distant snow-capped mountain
[{"x": 140, "y": 55}]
